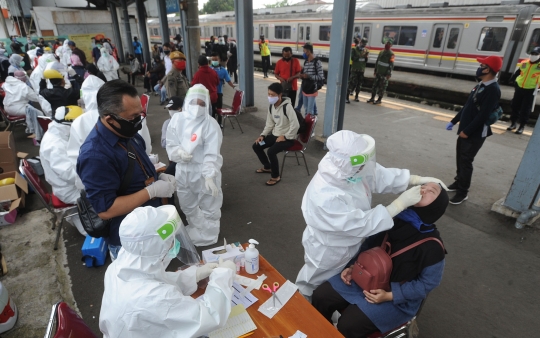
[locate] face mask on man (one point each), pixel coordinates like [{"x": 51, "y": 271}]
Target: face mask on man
[
  {"x": 179, "y": 64},
  {"x": 172, "y": 112},
  {"x": 196, "y": 110},
  {"x": 534, "y": 58},
  {"x": 22, "y": 63},
  {"x": 128, "y": 128},
  {"x": 215, "y": 63},
  {"x": 305, "y": 56},
  {"x": 273, "y": 99},
  {"x": 480, "y": 71},
  {"x": 167, "y": 52}
]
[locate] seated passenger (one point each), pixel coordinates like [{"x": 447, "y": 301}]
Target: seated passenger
[
  {"x": 141, "y": 299},
  {"x": 414, "y": 274},
  {"x": 15, "y": 63},
  {"x": 58, "y": 95},
  {"x": 59, "y": 171}
]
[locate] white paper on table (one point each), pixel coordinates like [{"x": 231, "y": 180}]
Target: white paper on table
[
  {"x": 249, "y": 282},
  {"x": 298, "y": 334},
  {"x": 238, "y": 324},
  {"x": 247, "y": 300},
  {"x": 283, "y": 294}
]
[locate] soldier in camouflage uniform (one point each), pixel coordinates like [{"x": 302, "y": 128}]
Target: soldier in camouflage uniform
[
  {"x": 359, "y": 57},
  {"x": 383, "y": 71}
]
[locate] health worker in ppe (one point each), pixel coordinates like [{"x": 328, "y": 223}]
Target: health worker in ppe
[
  {"x": 108, "y": 65},
  {"x": 64, "y": 53},
  {"x": 37, "y": 73},
  {"x": 194, "y": 142},
  {"x": 59, "y": 171},
  {"x": 337, "y": 205},
  {"x": 142, "y": 300}
]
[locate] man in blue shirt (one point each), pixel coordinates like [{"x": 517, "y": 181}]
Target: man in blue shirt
[
  {"x": 137, "y": 49},
  {"x": 104, "y": 160},
  {"x": 223, "y": 75}
]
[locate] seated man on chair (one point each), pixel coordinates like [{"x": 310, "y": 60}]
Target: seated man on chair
[
  {"x": 414, "y": 274},
  {"x": 279, "y": 133}
]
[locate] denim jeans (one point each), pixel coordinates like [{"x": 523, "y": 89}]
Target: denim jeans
[
  {"x": 163, "y": 92},
  {"x": 113, "y": 249},
  {"x": 301, "y": 103},
  {"x": 310, "y": 104}
]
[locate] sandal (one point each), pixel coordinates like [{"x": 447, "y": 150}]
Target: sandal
[
  {"x": 263, "y": 171},
  {"x": 273, "y": 181}
]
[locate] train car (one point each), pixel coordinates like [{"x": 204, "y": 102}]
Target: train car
[{"x": 446, "y": 39}]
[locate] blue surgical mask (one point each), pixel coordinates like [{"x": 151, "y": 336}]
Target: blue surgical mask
[
  {"x": 174, "y": 250},
  {"x": 22, "y": 63},
  {"x": 304, "y": 55},
  {"x": 479, "y": 71},
  {"x": 273, "y": 99},
  {"x": 354, "y": 179},
  {"x": 215, "y": 63}
]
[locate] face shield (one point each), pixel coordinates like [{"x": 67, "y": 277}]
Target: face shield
[
  {"x": 197, "y": 103},
  {"x": 66, "y": 115}
]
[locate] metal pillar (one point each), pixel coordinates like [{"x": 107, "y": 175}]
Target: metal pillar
[
  {"x": 143, "y": 32},
  {"x": 193, "y": 33},
  {"x": 127, "y": 27},
  {"x": 525, "y": 188},
  {"x": 163, "y": 22},
  {"x": 189, "y": 61},
  {"x": 116, "y": 32},
  {"x": 338, "y": 65},
  {"x": 244, "y": 28}
]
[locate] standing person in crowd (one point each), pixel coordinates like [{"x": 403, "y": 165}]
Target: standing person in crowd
[
  {"x": 78, "y": 67},
  {"x": 29, "y": 44},
  {"x": 525, "y": 86},
  {"x": 43, "y": 43},
  {"x": 209, "y": 79},
  {"x": 232, "y": 63},
  {"x": 64, "y": 53},
  {"x": 152, "y": 76},
  {"x": 108, "y": 65},
  {"x": 175, "y": 82},
  {"x": 222, "y": 49},
  {"x": 93, "y": 70},
  {"x": 359, "y": 58},
  {"x": 472, "y": 118},
  {"x": 178, "y": 43},
  {"x": 312, "y": 76},
  {"x": 265, "y": 55},
  {"x": 383, "y": 71},
  {"x": 209, "y": 46},
  {"x": 133, "y": 68},
  {"x": 103, "y": 161},
  {"x": 74, "y": 50},
  {"x": 57, "y": 44},
  {"x": 279, "y": 133},
  {"x": 174, "y": 106},
  {"x": 159, "y": 88},
  {"x": 137, "y": 48},
  {"x": 156, "y": 52},
  {"x": 194, "y": 143},
  {"x": 223, "y": 78},
  {"x": 287, "y": 71},
  {"x": 96, "y": 51}
]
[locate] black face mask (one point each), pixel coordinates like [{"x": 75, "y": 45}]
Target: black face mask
[
  {"x": 127, "y": 128},
  {"x": 167, "y": 52}
]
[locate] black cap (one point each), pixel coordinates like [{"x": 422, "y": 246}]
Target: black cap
[
  {"x": 175, "y": 103},
  {"x": 535, "y": 51}
]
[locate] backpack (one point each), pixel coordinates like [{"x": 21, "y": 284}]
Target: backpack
[
  {"x": 310, "y": 86},
  {"x": 373, "y": 267},
  {"x": 495, "y": 114},
  {"x": 301, "y": 120}
]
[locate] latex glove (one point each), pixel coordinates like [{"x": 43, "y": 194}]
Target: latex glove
[
  {"x": 210, "y": 185},
  {"x": 406, "y": 199},
  {"x": 449, "y": 126},
  {"x": 184, "y": 156},
  {"x": 160, "y": 189},
  {"x": 167, "y": 178},
  {"x": 71, "y": 72},
  {"x": 205, "y": 271},
  {"x": 227, "y": 264},
  {"x": 419, "y": 180}
]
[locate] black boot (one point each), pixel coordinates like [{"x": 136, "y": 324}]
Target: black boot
[
  {"x": 378, "y": 100},
  {"x": 372, "y": 99},
  {"x": 520, "y": 129},
  {"x": 356, "y": 98},
  {"x": 512, "y": 126},
  {"x": 347, "y": 98}
]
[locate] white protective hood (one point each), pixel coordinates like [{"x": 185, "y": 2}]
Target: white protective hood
[
  {"x": 89, "y": 89},
  {"x": 37, "y": 73},
  {"x": 18, "y": 94},
  {"x": 59, "y": 171},
  {"x": 108, "y": 65},
  {"x": 64, "y": 53},
  {"x": 142, "y": 300}
]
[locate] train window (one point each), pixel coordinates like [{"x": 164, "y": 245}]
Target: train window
[
  {"x": 217, "y": 31},
  {"x": 492, "y": 39},
  {"x": 308, "y": 33},
  {"x": 453, "y": 38},
  {"x": 439, "y": 37},
  {"x": 282, "y": 32},
  {"x": 324, "y": 33},
  {"x": 301, "y": 33},
  {"x": 156, "y": 31},
  {"x": 356, "y": 32},
  {"x": 366, "y": 32},
  {"x": 402, "y": 35},
  {"x": 535, "y": 41}
]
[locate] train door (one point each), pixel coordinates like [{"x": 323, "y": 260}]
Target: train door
[
  {"x": 444, "y": 45},
  {"x": 263, "y": 30},
  {"x": 304, "y": 35}
]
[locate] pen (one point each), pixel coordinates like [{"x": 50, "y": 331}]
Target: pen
[{"x": 248, "y": 334}]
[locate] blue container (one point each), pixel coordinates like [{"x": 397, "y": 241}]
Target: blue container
[{"x": 94, "y": 251}]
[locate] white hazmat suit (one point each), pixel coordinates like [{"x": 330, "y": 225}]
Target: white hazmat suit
[
  {"x": 108, "y": 65},
  {"x": 59, "y": 171},
  {"x": 141, "y": 299},
  {"x": 64, "y": 53},
  {"x": 37, "y": 74},
  {"x": 338, "y": 212},
  {"x": 194, "y": 142},
  {"x": 18, "y": 94}
]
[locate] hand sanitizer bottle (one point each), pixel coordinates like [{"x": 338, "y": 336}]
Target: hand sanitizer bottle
[{"x": 252, "y": 258}]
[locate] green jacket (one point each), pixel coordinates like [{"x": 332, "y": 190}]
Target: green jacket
[
  {"x": 385, "y": 63},
  {"x": 359, "y": 58}
]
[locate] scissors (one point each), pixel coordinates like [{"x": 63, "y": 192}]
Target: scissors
[{"x": 273, "y": 292}]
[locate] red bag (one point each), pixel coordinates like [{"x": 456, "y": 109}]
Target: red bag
[{"x": 373, "y": 267}]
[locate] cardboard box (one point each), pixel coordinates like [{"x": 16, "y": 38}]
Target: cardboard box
[
  {"x": 8, "y": 153},
  {"x": 233, "y": 251},
  {"x": 13, "y": 192}
]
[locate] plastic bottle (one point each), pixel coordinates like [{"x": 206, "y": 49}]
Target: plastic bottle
[{"x": 252, "y": 258}]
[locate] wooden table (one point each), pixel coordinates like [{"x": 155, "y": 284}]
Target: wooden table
[{"x": 297, "y": 314}]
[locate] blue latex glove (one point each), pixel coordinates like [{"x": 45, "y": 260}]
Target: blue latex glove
[{"x": 449, "y": 126}]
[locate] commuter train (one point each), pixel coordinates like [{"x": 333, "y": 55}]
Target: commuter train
[{"x": 443, "y": 39}]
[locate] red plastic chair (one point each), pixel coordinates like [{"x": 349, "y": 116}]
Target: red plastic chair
[
  {"x": 145, "y": 99},
  {"x": 301, "y": 142},
  {"x": 50, "y": 201},
  {"x": 66, "y": 323},
  {"x": 234, "y": 111},
  {"x": 44, "y": 122},
  {"x": 11, "y": 119}
]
